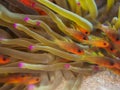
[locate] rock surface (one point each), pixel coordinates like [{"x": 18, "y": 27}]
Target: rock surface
[{"x": 102, "y": 81}]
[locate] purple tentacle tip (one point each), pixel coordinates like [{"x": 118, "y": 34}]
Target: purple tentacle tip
[
  {"x": 38, "y": 23},
  {"x": 78, "y": 3},
  {"x": 15, "y": 25},
  {"x": 33, "y": 4},
  {"x": 67, "y": 66},
  {"x": 1, "y": 38},
  {"x": 31, "y": 87},
  {"x": 96, "y": 68},
  {"x": 26, "y": 19},
  {"x": 30, "y": 47},
  {"x": 20, "y": 65}
]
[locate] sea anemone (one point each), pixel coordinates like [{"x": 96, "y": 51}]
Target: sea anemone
[{"x": 43, "y": 42}]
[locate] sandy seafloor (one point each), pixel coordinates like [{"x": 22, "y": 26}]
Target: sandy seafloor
[{"x": 104, "y": 80}]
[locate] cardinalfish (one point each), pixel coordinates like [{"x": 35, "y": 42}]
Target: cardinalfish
[
  {"x": 85, "y": 31},
  {"x": 110, "y": 48},
  {"x": 118, "y": 54},
  {"x": 4, "y": 59},
  {"x": 78, "y": 35},
  {"x": 33, "y": 80},
  {"x": 32, "y": 4},
  {"x": 104, "y": 61},
  {"x": 113, "y": 35},
  {"x": 70, "y": 47},
  {"x": 115, "y": 70},
  {"x": 20, "y": 79},
  {"x": 96, "y": 42}
]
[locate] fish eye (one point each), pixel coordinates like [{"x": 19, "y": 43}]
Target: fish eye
[
  {"x": 79, "y": 50},
  {"x": 84, "y": 38},
  {"x": 117, "y": 39},
  {"x": 37, "y": 79},
  {"x": 86, "y": 32},
  {"x": 111, "y": 49},
  {"x": 112, "y": 63},
  {"x": 34, "y": 28},
  {"x": 4, "y": 58},
  {"x": 22, "y": 75},
  {"x": 104, "y": 43}
]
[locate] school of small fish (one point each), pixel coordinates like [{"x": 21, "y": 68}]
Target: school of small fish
[{"x": 67, "y": 39}]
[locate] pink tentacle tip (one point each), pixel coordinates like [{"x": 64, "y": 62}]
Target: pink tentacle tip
[
  {"x": 1, "y": 38},
  {"x": 31, "y": 87},
  {"x": 26, "y": 19},
  {"x": 38, "y": 23},
  {"x": 21, "y": 65},
  {"x": 67, "y": 66},
  {"x": 15, "y": 25},
  {"x": 33, "y": 4},
  {"x": 96, "y": 68},
  {"x": 78, "y": 3},
  {"x": 30, "y": 47}
]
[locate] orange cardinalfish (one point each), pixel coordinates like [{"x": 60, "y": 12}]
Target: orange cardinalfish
[
  {"x": 70, "y": 47},
  {"x": 4, "y": 59},
  {"x": 110, "y": 48},
  {"x": 32, "y": 80},
  {"x": 20, "y": 79},
  {"x": 118, "y": 54},
  {"x": 112, "y": 34},
  {"x": 97, "y": 42},
  {"x": 78, "y": 35},
  {"x": 115, "y": 70},
  {"x": 104, "y": 61},
  {"x": 86, "y": 32},
  {"x": 32, "y": 4}
]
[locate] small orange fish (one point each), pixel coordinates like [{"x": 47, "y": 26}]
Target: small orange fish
[
  {"x": 104, "y": 62},
  {"x": 4, "y": 59},
  {"x": 112, "y": 34},
  {"x": 115, "y": 70},
  {"x": 110, "y": 48},
  {"x": 20, "y": 79},
  {"x": 78, "y": 35},
  {"x": 86, "y": 32},
  {"x": 118, "y": 54},
  {"x": 33, "y": 80},
  {"x": 70, "y": 47},
  {"x": 97, "y": 43},
  {"x": 32, "y": 4}
]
